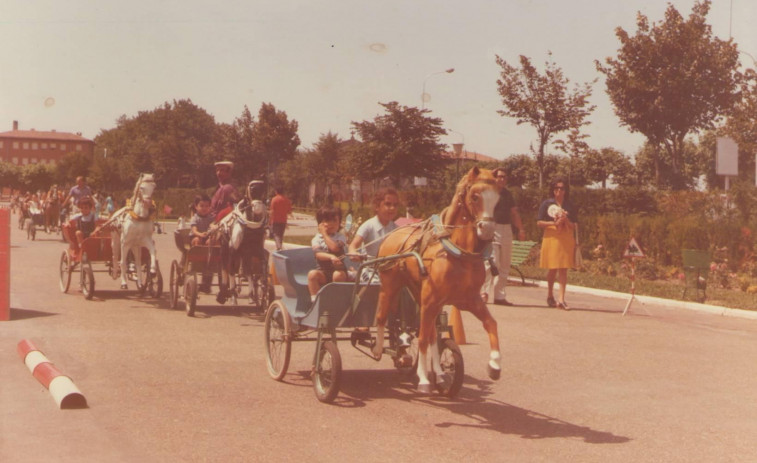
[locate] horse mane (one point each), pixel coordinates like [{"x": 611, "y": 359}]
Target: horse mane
[{"x": 449, "y": 213}]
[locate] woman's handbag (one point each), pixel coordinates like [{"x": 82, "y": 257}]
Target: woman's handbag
[{"x": 578, "y": 259}]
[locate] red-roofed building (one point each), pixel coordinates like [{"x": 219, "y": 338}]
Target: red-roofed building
[{"x": 23, "y": 147}]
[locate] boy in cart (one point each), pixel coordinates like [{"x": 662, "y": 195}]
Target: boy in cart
[
  {"x": 83, "y": 224},
  {"x": 329, "y": 246}
]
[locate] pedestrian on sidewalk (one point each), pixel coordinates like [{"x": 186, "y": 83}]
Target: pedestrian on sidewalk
[
  {"x": 505, "y": 216},
  {"x": 281, "y": 208},
  {"x": 557, "y": 217}
]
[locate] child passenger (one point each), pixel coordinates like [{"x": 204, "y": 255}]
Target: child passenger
[
  {"x": 85, "y": 220},
  {"x": 329, "y": 245},
  {"x": 201, "y": 220}
]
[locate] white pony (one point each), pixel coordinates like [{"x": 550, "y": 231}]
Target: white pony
[{"x": 133, "y": 230}]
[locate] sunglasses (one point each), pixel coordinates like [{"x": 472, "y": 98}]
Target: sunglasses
[{"x": 559, "y": 188}]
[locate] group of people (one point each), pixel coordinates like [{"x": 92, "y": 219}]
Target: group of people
[{"x": 557, "y": 218}]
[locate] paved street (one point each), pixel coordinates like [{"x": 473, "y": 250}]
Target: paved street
[{"x": 660, "y": 384}]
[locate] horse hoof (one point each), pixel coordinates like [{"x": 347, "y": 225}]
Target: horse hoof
[
  {"x": 124, "y": 287},
  {"x": 494, "y": 373},
  {"x": 425, "y": 389}
]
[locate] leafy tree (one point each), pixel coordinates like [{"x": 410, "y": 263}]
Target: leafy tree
[
  {"x": 575, "y": 146},
  {"x": 669, "y": 80},
  {"x": 742, "y": 127},
  {"x": 325, "y": 162},
  {"x": 402, "y": 143},
  {"x": 239, "y": 146},
  {"x": 274, "y": 137},
  {"x": 71, "y": 166},
  {"x": 543, "y": 101},
  {"x": 606, "y": 162},
  {"x": 10, "y": 175},
  {"x": 172, "y": 141},
  {"x": 37, "y": 176}
]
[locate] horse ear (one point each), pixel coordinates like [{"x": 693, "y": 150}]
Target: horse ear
[{"x": 475, "y": 171}]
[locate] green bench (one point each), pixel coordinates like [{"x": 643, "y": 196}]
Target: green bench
[{"x": 521, "y": 251}]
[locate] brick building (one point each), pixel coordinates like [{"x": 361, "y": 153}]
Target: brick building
[{"x": 23, "y": 147}]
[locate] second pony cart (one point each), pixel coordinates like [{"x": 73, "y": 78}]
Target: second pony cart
[
  {"x": 97, "y": 249},
  {"x": 343, "y": 312}
]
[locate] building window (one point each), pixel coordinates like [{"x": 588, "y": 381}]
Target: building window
[
  {"x": 15, "y": 160},
  {"x": 25, "y": 145},
  {"x": 15, "y": 145},
  {"x": 53, "y": 145},
  {"x": 35, "y": 146},
  {"x": 1, "y": 144},
  {"x": 24, "y": 161},
  {"x": 34, "y": 160},
  {"x": 63, "y": 147},
  {"x": 44, "y": 146},
  {"x": 78, "y": 147}
]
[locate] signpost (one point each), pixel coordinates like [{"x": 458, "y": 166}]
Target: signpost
[{"x": 633, "y": 251}]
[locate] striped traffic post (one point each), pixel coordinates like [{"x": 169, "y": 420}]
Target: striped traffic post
[{"x": 63, "y": 390}]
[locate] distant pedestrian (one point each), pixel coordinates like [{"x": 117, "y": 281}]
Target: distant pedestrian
[
  {"x": 558, "y": 218},
  {"x": 505, "y": 216},
  {"x": 281, "y": 208}
]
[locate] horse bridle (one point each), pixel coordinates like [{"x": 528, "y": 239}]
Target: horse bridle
[{"x": 462, "y": 201}]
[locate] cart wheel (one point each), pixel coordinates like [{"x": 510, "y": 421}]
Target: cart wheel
[
  {"x": 65, "y": 272},
  {"x": 87, "y": 278},
  {"x": 327, "y": 373},
  {"x": 452, "y": 365},
  {"x": 174, "y": 283},
  {"x": 278, "y": 343},
  {"x": 190, "y": 295}
]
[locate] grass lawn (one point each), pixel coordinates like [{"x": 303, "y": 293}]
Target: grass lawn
[{"x": 734, "y": 299}]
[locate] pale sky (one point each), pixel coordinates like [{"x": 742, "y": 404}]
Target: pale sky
[{"x": 78, "y": 65}]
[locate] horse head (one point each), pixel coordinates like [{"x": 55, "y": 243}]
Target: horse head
[
  {"x": 142, "y": 199},
  {"x": 473, "y": 203}
]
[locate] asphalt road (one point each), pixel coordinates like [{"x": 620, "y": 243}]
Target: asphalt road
[{"x": 588, "y": 385}]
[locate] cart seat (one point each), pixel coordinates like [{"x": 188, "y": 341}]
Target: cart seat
[
  {"x": 333, "y": 306},
  {"x": 292, "y": 267}
]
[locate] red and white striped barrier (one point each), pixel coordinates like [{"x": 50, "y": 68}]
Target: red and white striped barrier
[{"x": 63, "y": 390}]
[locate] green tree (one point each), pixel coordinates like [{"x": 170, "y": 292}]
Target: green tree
[
  {"x": 742, "y": 127},
  {"x": 669, "y": 80},
  {"x": 274, "y": 138},
  {"x": 325, "y": 162},
  {"x": 71, "y": 166},
  {"x": 605, "y": 163},
  {"x": 173, "y": 141},
  {"x": 543, "y": 101},
  {"x": 10, "y": 175},
  {"x": 400, "y": 144},
  {"x": 37, "y": 176},
  {"x": 239, "y": 146}
]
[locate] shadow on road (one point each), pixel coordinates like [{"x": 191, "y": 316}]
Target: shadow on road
[
  {"x": 23, "y": 314},
  {"x": 472, "y": 405}
]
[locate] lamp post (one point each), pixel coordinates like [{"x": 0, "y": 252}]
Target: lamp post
[{"x": 423, "y": 92}]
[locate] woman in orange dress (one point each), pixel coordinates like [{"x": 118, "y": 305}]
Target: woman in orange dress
[{"x": 558, "y": 218}]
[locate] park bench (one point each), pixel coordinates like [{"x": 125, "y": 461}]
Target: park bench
[{"x": 521, "y": 251}]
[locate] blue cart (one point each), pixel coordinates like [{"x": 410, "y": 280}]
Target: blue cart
[{"x": 346, "y": 312}]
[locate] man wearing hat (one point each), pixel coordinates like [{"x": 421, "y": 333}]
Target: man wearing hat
[{"x": 226, "y": 195}]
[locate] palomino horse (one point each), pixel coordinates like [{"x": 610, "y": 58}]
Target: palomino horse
[
  {"x": 242, "y": 239},
  {"x": 452, "y": 253},
  {"x": 133, "y": 230}
]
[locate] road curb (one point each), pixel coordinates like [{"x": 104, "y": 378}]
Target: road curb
[
  {"x": 687, "y": 305},
  {"x": 60, "y": 386}
]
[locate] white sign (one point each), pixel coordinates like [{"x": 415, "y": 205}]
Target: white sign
[
  {"x": 633, "y": 249},
  {"x": 727, "y": 157}
]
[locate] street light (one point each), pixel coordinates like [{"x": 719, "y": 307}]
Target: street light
[
  {"x": 423, "y": 93},
  {"x": 458, "y": 149}
]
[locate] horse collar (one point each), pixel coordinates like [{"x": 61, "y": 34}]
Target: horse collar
[{"x": 452, "y": 249}]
